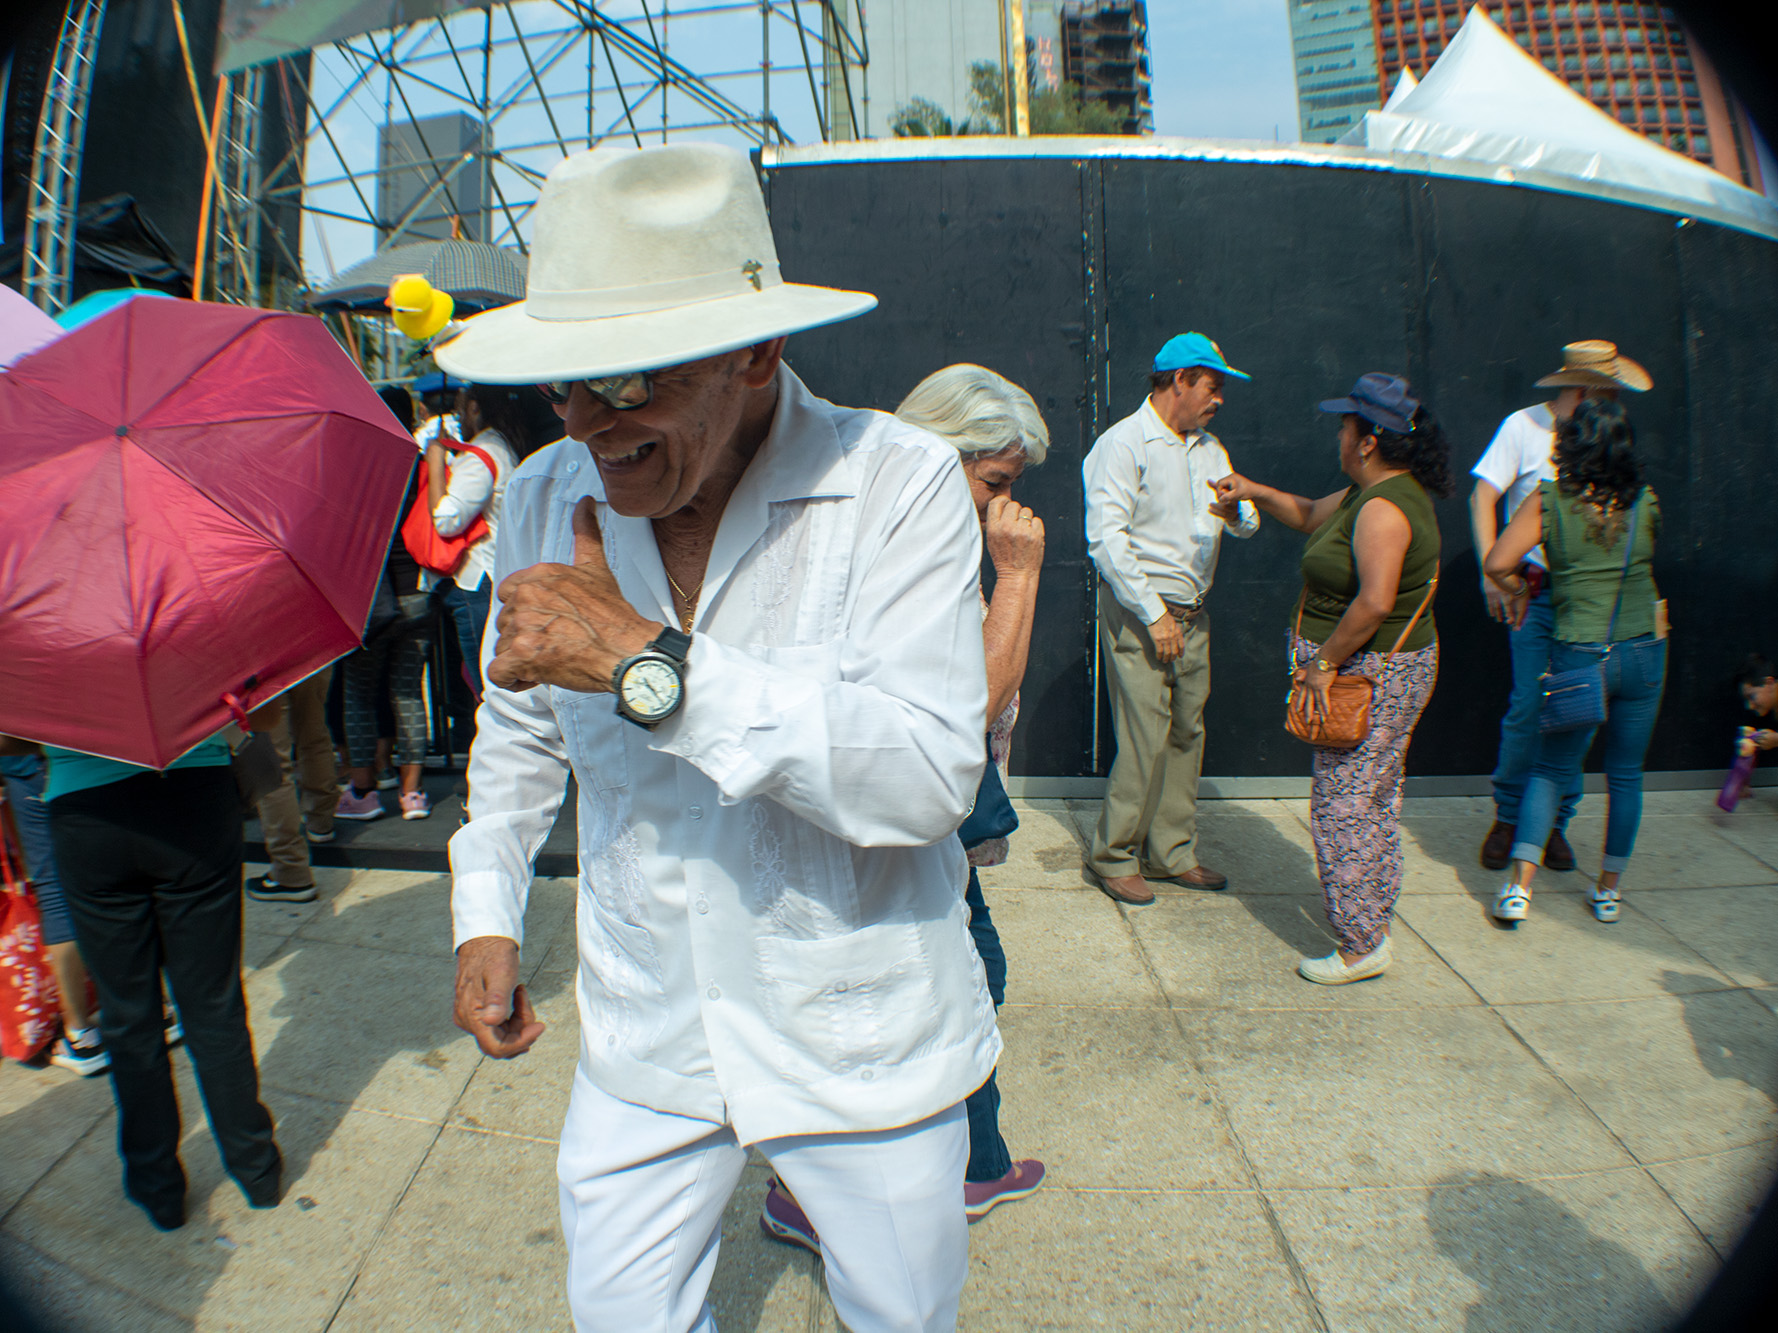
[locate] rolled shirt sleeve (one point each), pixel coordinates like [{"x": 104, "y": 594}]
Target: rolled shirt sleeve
[
  {"x": 471, "y": 487},
  {"x": 897, "y": 704}
]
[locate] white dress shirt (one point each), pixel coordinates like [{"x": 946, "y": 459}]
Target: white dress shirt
[
  {"x": 771, "y": 920},
  {"x": 1521, "y": 454},
  {"x": 1149, "y": 527},
  {"x": 472, "y": 490}
]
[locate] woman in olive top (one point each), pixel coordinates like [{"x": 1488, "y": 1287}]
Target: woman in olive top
[
  {"x": 1605, "y": 602},
  {"x": 1371, "y": 563}
]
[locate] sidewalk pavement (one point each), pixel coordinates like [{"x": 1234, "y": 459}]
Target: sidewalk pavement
[{"x": 1562, "y": 1127}]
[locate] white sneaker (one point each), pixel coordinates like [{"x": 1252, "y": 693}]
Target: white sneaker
[
  {"x": 1512, "y": 903},
  {"x": 1604, "y": 903},
  {"x": 1336, "y": 971}
]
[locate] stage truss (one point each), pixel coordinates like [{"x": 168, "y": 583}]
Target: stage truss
[{"x": 547, "y": 77}]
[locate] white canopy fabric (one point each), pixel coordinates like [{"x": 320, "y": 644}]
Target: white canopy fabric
[
  {"x": 1405, "y": 83},
  {"x": 1486, "y": 101}
]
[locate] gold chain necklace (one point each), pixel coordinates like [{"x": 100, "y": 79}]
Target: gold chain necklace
[{"x": 689, "y": 598}]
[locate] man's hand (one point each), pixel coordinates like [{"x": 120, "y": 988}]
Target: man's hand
[
  {"x": 491, "y": 1005},
  {"x": 1014, "y": 537},
  {"x": 567, "y": 625},
  {"x": 1230, "y": 491},
  {"x": 1168, "y": 638}
]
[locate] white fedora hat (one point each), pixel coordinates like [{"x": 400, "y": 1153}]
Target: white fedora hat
[{"x": 642, "y": 258}]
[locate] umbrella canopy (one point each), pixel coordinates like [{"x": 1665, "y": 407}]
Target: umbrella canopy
[
  {"x": 478, "y": 276},
  {"x": 93, "y": 304},
  {"x": 195, "y": 500}
]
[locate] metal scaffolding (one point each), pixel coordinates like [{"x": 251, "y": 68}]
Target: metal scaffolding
[{"x": 54, "y": 191}]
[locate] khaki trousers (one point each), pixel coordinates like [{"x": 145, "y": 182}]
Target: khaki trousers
[
  {"x": 297, "y": 723},
  {"x": 1149, "y": 823}
]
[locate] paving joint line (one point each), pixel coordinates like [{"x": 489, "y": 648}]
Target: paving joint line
[{"x": 1299, "y": 1277}]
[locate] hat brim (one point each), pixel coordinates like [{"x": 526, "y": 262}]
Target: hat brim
[
  {"x": 1205, "y": 365},
  {"x": 1341, "y": 405},
  {"x": 1629, "y": 376},
  {"x": 510, "y": 346}
]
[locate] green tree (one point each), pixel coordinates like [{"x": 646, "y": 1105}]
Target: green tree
[
  {"x": 920, "y": 119},
  {"x": 1053, "y": 111}
]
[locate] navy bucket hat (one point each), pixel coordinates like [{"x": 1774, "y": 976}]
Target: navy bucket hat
[{"x": 1383, "y": 400}]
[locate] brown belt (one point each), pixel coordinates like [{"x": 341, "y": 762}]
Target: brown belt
[{"x": 1184, "y": 612}]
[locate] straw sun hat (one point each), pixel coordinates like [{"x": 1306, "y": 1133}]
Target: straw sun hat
[
  {"x": 1597, "y": 364},
  {"x": 643, "y": 258}
]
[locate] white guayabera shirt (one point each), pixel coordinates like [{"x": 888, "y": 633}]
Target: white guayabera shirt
[{"x": 771, "y": 919}]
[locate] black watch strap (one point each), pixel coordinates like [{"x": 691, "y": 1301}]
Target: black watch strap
[{"x": 671, "y": 642}]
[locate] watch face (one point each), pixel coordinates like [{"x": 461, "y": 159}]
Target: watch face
[{"x": 651, "y": 688}]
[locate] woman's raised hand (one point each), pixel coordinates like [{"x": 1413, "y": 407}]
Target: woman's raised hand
[{"x": 1014, "y": 536}]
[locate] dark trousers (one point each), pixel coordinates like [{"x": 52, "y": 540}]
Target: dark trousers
[
  {"x": 988, "y": 1155},
  {"x": 151, "y": 867}
]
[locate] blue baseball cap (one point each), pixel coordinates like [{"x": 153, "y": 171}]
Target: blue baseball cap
[
  {"x": 1383, "y": 400},
  {"x": 1185, "y": 350}
]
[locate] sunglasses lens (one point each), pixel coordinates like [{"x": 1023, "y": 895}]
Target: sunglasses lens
[
  {"x": 556, "y": 392},
  {"x": 622, "y": 391}
]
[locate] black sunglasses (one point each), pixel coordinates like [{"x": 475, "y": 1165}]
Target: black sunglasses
[{"x": 621, "y": 393}]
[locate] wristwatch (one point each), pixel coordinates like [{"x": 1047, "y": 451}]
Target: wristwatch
[
  {"x": 1322, "y": 664},
  {"x": 650, "y": 685}
]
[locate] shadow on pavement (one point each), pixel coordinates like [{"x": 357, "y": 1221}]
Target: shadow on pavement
[
  {"x": 1537, "y": 1265},
  {"x": 1721, "y": 1044}
]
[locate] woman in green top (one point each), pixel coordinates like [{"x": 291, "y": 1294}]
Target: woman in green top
[
  {"x": 1369, "y": 567},
  {"x": 1607, "y": 612}
]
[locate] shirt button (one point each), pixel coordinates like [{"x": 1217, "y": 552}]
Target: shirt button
[
  {"x": 574, "y": 467},
  {"x": 696, "y": 812},
  {"x": 867, "y": 1076},
  {"x": 703, "y": 907},
  {"x": 715, "y": 993},
  {"x": 840, "y": 987},
  {"x": 611, "y": 1040}
]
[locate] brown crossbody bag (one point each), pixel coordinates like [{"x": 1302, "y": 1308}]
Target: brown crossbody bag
[{"x": 1348, "y": 719}]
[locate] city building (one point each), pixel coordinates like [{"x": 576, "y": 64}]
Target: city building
[
  {"x": 1105, "y": 52},
  {"x": 1634, "y": 61},
  {"x": 1334, "y": 46},
  {"x": 923, "y": 49}
]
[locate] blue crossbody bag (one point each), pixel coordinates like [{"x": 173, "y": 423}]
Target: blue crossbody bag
[{"x": 1575, "y": 699}]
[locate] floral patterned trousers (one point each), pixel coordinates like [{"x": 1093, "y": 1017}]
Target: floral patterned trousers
[{"x": 1355, "y": 798}]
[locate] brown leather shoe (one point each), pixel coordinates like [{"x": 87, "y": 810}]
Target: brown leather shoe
[
  {"x": 1127, "y": 889},
  {"x": 1497, "y": 848},
  {"x": 1198, "y": 877},
  {"x": 1557, "y": 854}
]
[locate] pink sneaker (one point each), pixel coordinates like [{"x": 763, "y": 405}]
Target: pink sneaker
[
  {"x": 354, "y": 806},
  {"x": 783, "y": 1219},
  {"x": 980, "y": 1197},
  {"x": 414, "y": 805}
]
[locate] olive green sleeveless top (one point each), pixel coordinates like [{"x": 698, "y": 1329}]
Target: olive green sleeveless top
[
  {"x": 1586, "y": 556},
  {"x": 1330, "y": 573}
]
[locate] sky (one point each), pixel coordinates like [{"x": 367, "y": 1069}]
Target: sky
[{"x": 1222, "y": 68}]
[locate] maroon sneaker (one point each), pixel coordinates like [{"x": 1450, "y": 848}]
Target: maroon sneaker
[
  {"x": 1497, "y": 847},
  {"x": 1557, "y": 854},
  {"x": 980, "y": 1197},
  {"x": 783, "y": 1219}
]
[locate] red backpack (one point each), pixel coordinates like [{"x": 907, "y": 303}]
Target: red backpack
[{"x": 442, "y": 555}]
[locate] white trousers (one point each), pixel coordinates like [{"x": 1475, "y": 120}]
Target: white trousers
[{"x": 643, "y": 1194}]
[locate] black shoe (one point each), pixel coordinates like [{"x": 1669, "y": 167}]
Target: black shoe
[
  {"x": 265, "y": 889},
  {"x": 1497, "y": 847},
  {"x": 1557, "y": 854},
  {"x": 167, "y": 1215}
]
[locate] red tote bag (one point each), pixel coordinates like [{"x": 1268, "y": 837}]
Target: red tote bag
[
  {"x": 30, "y": 1003},
  {"x": 442, "y": 555}
]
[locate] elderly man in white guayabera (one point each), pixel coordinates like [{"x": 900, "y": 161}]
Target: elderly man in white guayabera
[{"x": 748, "y": 621}]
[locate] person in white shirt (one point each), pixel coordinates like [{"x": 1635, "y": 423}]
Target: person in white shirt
[
  {"x": 1521, "y": 454},
  {"x": 1154, "y": 528},
  {"x": 748, "y": 622},
  {"x": 460, "y": 488}
]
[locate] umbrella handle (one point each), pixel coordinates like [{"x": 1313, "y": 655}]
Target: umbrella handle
[{"x": 239, "y": 709}]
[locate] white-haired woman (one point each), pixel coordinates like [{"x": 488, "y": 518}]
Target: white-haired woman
[{"x": 999, "y": 433}]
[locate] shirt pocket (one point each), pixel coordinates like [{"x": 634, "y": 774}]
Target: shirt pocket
[
  {"x": 626, "y": 996},
  {"x": 594, "y": 736},
  {"x": 847, "y": 1002}
]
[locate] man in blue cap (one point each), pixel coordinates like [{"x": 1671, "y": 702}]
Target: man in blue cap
[{"x": 1154, "y": 528}]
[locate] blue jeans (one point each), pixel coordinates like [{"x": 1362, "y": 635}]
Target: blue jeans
[
  {"x": 1520, "y": 740},
  {"x": 468, "y": 609},
  {"x": 25, "y": 776},
  {"x": 1635, "y": 671},
  {"x": 988, "y": 1155}
]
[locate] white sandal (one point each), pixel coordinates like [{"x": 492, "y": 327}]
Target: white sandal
[
  {"x": 1604, "y": 903},
  {"x": 1511, "y": 904}
]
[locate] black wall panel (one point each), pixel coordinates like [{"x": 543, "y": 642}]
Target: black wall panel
[{"x": 1066, "y": 276}]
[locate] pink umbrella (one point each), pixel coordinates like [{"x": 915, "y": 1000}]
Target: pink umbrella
[{"x": 195, "y": 502}]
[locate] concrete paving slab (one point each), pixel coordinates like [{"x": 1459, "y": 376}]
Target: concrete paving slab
[
  {"x": 1070, "y": 948},
  {"x": 1722, "y": 1191},
  {"x": 43, "y": 1114},
  {"x": 1735, "y": 930},
  {"x": 62, "y": 1298},
  {"x": 1045, "y": 853},
  {"x": 1441, "y": 856},
  {"x": 1322, "y": 1099},
  {"x": 504, "y": 1270},
  {"x": 1560, "y": 952},
  {"x": 527, "y": 1095},
  {"x": 1753, "y": 827},
  {"x": 1606, "y": 1253},
  {"x": 283, "y": 919},
  {"x": 1236, "y": 951},
  {"x": 1680, "y": 1076},
  {"x": 1108, "y": 1098},
  {"x": 1675, "y": 854},
  {"x": 1261, "y": 853},
  {"x": 762, "y": 1285},
  {"x": 230, "y": 1266},
  {"x": 1063, "y": 1259}
]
